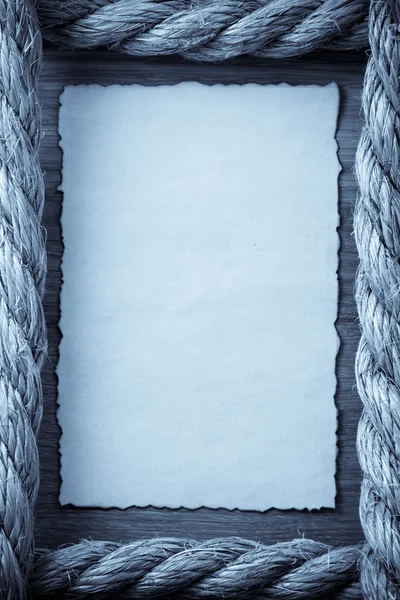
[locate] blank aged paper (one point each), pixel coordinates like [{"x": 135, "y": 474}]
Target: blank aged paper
[{"x": 197, "y": 364}]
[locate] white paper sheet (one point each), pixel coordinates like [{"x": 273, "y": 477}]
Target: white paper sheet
[{"x": 197, "y": 365}]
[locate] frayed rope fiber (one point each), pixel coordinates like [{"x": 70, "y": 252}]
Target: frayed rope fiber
[
  {"x": 207, "y": 30},
  {"x": 222, "y": 568}
]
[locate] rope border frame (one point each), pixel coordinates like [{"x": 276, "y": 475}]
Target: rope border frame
[{"x": 217, "y": 568}]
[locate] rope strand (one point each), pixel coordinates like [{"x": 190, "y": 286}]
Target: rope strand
[
  {"x": 377, "y": 233},
  {"x": 211, "y": 30},
  {"x": 229, "y": 568},
  {"x": 22, "y": 272}
]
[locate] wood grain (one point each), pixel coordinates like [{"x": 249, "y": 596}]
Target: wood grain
[{"x": 57, "y": 525}]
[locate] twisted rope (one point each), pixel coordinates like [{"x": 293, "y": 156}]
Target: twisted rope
[
  {"x": 227, "y": 568},
  {"x": 22, "y": 273},
  {"x": 183, "y": 569},
  {"x": 207, "y": 30},
  {"x": 377, "y": 232}
]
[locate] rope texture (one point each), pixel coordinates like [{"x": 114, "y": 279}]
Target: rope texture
[
  {"x": 207, "y": 30},
  {"x": 185, "y": 570},
  {"x": 377, "y": 232},
  {"x": 22, "y": 273},
  {"x": 227, "y": 568}
]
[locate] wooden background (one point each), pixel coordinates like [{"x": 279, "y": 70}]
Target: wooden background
[{"x": 58, "y": 525}]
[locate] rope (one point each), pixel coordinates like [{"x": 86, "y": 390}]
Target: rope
[
  {"x": 223, "y": 568},
  {"x": 377, "y": 232},
  {"x": 207, "y": 30},
  {"x": 183, "y": 569},
  {"x": 22, "y": 272}
]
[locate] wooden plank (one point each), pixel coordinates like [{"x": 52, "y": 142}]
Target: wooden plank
[{"x": 58, "y": 525}]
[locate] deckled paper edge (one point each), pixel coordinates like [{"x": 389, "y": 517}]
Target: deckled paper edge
[{"x": 60, "y": 189}]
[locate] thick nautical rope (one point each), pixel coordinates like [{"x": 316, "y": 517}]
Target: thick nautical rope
[
  {"x": 207, "y": 30},
  {"x": 22, "y": 272},
  {"x": 230, "y": 568},
  {"x": 377, "y": 232},
  {"x": 183, "y": 569}
]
